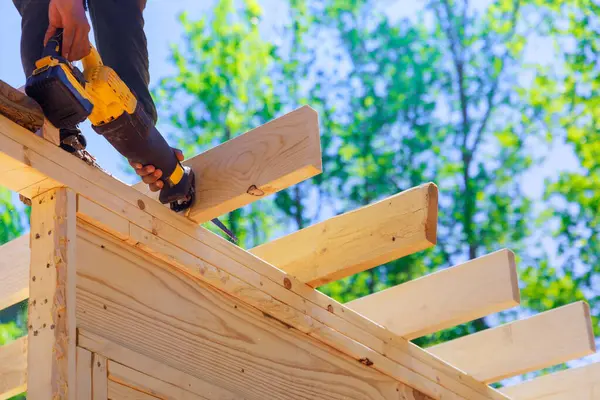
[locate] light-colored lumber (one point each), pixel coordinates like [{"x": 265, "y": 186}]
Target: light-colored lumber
[
  {"x": 116, "y": 391},
  {"x": 581, "y": 383},
  {"x": 84, "y": 374},
  {"x": 149, "y": 384},
  {"x": 150, "y": 366},
  {"x": 415, "y": 364},
  {"x": 99, "y": 377},
  {"x": 13, "y": 368},
  {"x": 298, "y": 305},
  {"x": 549, "y": 338},
  {"x": 160, "y": 313},
  {"x": 446, "y": 298},
  {"x": 358, "y": 240},
  {"x": 14, "y": 271},
  {"x": 263, "y": 161},
  {"x": 51, "y": 356}
]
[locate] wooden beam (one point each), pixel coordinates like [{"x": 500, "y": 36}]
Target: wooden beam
[
  {"x": 99, "y": 377},
  {"x": 122, "y": 392},
  {"x": 148, "y": 384},
  {"x": 550, "y": 338},
  {"x": 263, "y": 161},
  {"x": 84, "y": 374},
  {"x": 51, "y": 343},
  {"x": 446, "y": 298},
  {"x": 291, "y": 301},
  {"x": 13, "y": 368},
  {"x": 581, "y": 383},
  {"x": 14, "y": 271},
  {"x": 160, "y": 313},
  {"x": 358, "y": 240},
  {"x": 149, "y": 366}
]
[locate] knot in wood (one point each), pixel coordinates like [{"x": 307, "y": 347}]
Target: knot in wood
[
  {"x": 287, "y": 283},
  {"x": 141, "y": 204},
  {"x": 366, "y": 361},
  {"x": 255, "y": 191}
]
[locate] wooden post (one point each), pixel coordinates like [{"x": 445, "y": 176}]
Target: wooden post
[{"x": 51, "y": 355}]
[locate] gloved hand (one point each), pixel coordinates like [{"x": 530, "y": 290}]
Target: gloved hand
[{"x": 150, "y": 175}]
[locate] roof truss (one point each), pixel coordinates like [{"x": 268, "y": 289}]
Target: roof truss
[{"x": 149, "y": 281}]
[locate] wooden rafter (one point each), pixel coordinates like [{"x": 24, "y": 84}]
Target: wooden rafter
[
  {"x": 549, "y": 338},
  {"x": 446, "y": 298},
  {"x": 13, "y": 368},
  {"x": 581, "y": 383},
  {"x": 358, "y": 240},
  {"x": 251, "y": 166},
  {"x": 14, "y": 271},
  {"x": 199, "y": 255}
]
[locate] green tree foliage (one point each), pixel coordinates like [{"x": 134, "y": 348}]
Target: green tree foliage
[
  {"x": 223, "y": 84},
  {"x": 569, "y": 92},
  {"x": 447, "y": 97}
]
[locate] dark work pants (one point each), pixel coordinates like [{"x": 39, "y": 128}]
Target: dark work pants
[{"x": 119, "y": 33}]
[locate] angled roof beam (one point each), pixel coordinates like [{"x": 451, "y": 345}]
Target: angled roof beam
[
  {"x": 445, "y": 298},
  {"x": 14, "y": 271},
  {"x": 549, "y": 338},
  {"x": 358, "y": 240},
  {"x": 263, "y": 161},
  {"x": 575, "y": 383},
  {"x": 13, "y": 368},
  {"x": 156, "y": 228}
]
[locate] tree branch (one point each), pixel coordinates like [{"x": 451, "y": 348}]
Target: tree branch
[{"x": 492, "y": 92}]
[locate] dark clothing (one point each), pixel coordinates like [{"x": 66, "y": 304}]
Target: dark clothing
[{"x": 120, "y": 38}]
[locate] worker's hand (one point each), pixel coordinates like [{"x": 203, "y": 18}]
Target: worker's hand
[
  {"x": 70, "y": 16},
  {"x": 150, "y": 175}
]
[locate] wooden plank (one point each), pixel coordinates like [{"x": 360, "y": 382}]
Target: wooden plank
[
  {"x": 51, "y": 351},
  {"x": 384, "y": 351},
  {"x": 150, "y": 366},
  {"x": 446, "y": 298},
  {"x": 84, "y": 374},
  {"x": 263, "y": 161},
  {"x": 99, "y": 377},
  {"x": 358, "y": 240},
  {"x": 299, "y": 305},
  {"x": 581, "y": 383},
  {"x": 161, "y": 313},
  {"x": 149, "y": 384},
  {"x": 13, "y": 368},
  {"x": 102, "y": 218},
  {"x": 116, "y": 391},
  {"x": 14, "y": 271},
  {"x": 549, "y": 338}
]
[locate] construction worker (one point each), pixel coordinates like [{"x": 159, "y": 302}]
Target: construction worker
[{"x": 120, "y": 39}]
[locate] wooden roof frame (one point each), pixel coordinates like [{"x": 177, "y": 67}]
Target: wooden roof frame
[{"x": 98, "y": 245}]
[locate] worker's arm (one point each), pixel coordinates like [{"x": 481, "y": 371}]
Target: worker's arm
[
  {"x": 70, "y": 16},
  {"x": 150, "y": 175}
]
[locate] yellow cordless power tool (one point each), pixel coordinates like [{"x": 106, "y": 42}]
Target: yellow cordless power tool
[{"x": 68, "y": 97}]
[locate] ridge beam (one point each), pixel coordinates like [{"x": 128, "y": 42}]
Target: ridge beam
[
  {"x": 263, "y": 161},
  {"x": 358, "y": 240},
  {"x": 544, "y": 340},
  {"x": 446, "y": 298}
]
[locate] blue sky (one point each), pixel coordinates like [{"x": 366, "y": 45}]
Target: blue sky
[{"x": 163, "y": 29}]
